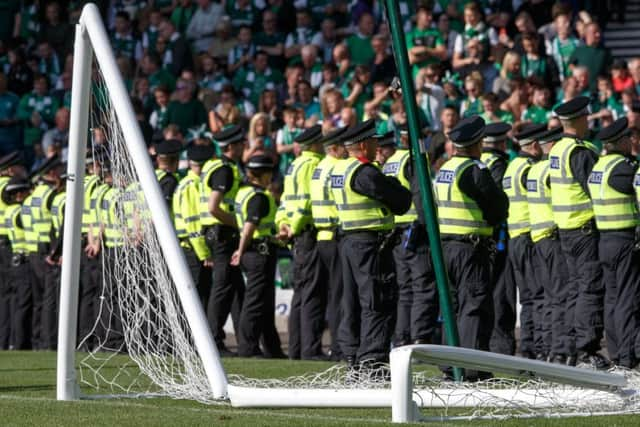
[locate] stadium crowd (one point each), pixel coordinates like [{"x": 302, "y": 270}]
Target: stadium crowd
[{"x": 291, "y": 97}]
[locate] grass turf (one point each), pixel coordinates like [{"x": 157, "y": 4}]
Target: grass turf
[{"x": 27, "y": 397}]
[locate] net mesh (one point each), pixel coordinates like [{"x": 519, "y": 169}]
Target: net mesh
[
  {"x": 138, "y": 312},
  {"x": 141, "y": 343}
]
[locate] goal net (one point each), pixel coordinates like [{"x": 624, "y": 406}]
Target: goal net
[{"x": 150, "y": 335}]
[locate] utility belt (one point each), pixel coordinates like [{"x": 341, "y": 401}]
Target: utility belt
[
  {"x": 18, "y": 259},
  {"x": 587, "y": 229},
  {"x": 44, "y": 248},
  {"x": 474, "y": 239},
  {"x": 386, "y": 239},
  {"x": 219, "y": 233},
  {"x": 413, "y": 235},
  {"x": 264, "y": 246}
]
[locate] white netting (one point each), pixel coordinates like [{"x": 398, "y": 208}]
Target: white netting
[{"x": 139, "y": 312}]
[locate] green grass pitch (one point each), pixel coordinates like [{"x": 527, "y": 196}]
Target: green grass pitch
[{"x": 27, "y": 398}]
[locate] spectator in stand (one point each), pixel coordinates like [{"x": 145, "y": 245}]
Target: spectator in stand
[
  {"x": 229, "y": 111},
  {"x": 37, "y": 110},
  {"x": 302, "y": 35},
  {"x": 212, "y": 77},
  {"x": 252, "y": 82},
  {"x": 241, "y": 54},
  {"x": 474, "y": 28},
  {"x": 534, "y": 64},
  {"x": 430, "y": 95},
  {"x": 359, "y": 44},
  {"x": 58, "y": 136},
  {"x": 449, "y": 36},
  {"x": 472, "y": 104},
  {"x": 424, "y": 43},
  {"x": 539, "y": 112},
  {"x": 182, "y": 14},
  {"x": 123, "y": 41},
  {"x": 158, "y": 116},
  {"x": 481, "y": 65},
  {"x": 348, "y": 116},
  {"x": 242, "y": 13},
  {"x": 285, "y": 146},
  {"x": 331, "y": 105},
  {"x": 58, "y": 33},
  {"x": 582, "y": 78},
  {"x": 591, "y": 55},
  {"x": 62, "y": 92},
  {"x": 202, "y": 26},
  {"x": 326, "y": 39},
  {"x": 510, "y": 70},
  {"x": 518, "y": 101},
  {"x": 634, "y": 71},
  {"x": 223, "y": 41},
  {"x": 10, "y": 134},
  {"x": 379, "y": 108},
  {"x": 287, "y": 92},
  {"x": 151, "y": 67},
  {"x": 620, "y": 76},
  {"x": 383, "y": 66},
  {"x": 307, "y": 103},
  {"x": 525, "y": 25},
  {"x": 259, "y": 138},
  {"x": 268, "y": 104},
  {"x": 151, "y": 33},
  {"x": 321, "y": 9},
  {"x": 177, "y": 54},
  {"x": 605, "y": 103},
  {"x": 270, "y": 40},
  {"x": 184, "y": 111},
  {"x": 144, "y": 94},
  {"x": 330, "y": 79},
  {"x": 48, "y": 62},
  {"x": 19, "y": 75},
  {"x": 564, "y": 44},
  {"x": 342, "y": 60},
  {"x": 492, "y": 112},
  {"x": 285, "y": 14},
  {"x": 312, "y": 65},
  {"x": 358, "y": 90},
  {"x": 440, "y": 148}
]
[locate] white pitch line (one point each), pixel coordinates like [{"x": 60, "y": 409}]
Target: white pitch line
[{"x": 229, "y": 410}]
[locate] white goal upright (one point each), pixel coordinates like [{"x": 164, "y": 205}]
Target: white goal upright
[{"x": 148, "y": 306}]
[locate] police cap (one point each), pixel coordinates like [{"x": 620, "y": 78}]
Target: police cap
[
  {"x": 309, "y": 136},
  {"x": 230, "y": 135},
  {"x": 360, "y": 132},
  {"x": 529, "y": 133},
  {"x": 260, "y": 161},
  {"x": 467, "y": 132},
  {"x": 615, "y": 131},
  {"x": 386, "y": 140},
  {"x": 10, "y": 159},
  {"x": 573, "y": 109},
  {"x": 17, "y": 183},
  {"x": 496, "y": 132},
  {"x": 551, "y": 135},
  {"x": 200, "y": 153},
  {"x": 333, "y": 137},
  {"x": 51, "y": 163},
  {"x": 169, "y": 147}
]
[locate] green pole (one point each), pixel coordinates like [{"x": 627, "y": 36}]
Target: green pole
[{"x": 424, "y": 178}]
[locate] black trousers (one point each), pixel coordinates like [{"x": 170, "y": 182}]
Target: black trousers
[
  {"x": 368, "y": 299},
  {"x": 585, "y": 299},
  {"x": 621, "y": 273},
  {"x": 520, "y": 257},
  {"x": 109, "y": 329},
  {"x": 331, "y": 264},
  {"x": 89, "y": 299},
  {"x": 309, "y": 302},
  {"x": 503, "y": 338},
  {"x": 469, "y": 269},
  {"x": 417, "y": 309},
  {"x": 5, "y": 295},
  {"x": 50, "y": 304},
  {"x": 551, "y": 271},
  {"x": 21, "y": 306},
  {"x": 39, "y": 271},
  {"x": 227, "y": 287},
  {"x": 257, "y": 320}
]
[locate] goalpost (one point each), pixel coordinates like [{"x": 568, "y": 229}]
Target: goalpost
[{"x": 148, "y": 290}]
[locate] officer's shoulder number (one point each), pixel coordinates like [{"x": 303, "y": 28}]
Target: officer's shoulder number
[
  {"x": 595, "y": 178},
  {"x": 316, "y": 173},
  {"x": 554, "y": 162},
  {"x": 446, "y": 176},
  {"x": 337, "y": 181}
]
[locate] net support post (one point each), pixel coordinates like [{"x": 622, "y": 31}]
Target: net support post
[
  {"x": 403, "y": 409},
  {"x": 171, "y": 250},
  {"x": 66, "y": 385}
]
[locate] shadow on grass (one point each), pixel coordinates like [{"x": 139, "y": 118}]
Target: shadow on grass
[{"x": 34, "y": 387}]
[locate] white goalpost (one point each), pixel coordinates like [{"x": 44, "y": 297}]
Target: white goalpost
[{"x": 149, "y": 302}]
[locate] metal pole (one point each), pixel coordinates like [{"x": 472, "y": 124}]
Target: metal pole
[{"x": 424, "y": 178}]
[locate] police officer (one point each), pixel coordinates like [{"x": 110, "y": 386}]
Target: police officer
[
  {"x": 10, "y": 165},
  {"x": 520, "y": 253},
  {"x": 549, "y": 263},
  {"x": 325, "y": 219},
  {"x": 295, "y": 223},
  {"x": 470, "y": 205},
  {"x": 494, "y": 155},
  {"x": 167, "y": 157},
  {"x": 13, "y": 194},
  {"x": 220, "y": 180},
  {"x": 186, "y": 212},
  {"x": 36, "y": 218},
  {"x": 616, "y": 215},
  {"x": 366, "y": 200},
  {"x": 417, "y": 310},
  {"x": 256, "y": 253},
  {"x": 50, "y": 296},
  {"x": 570, "y": 163}
]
